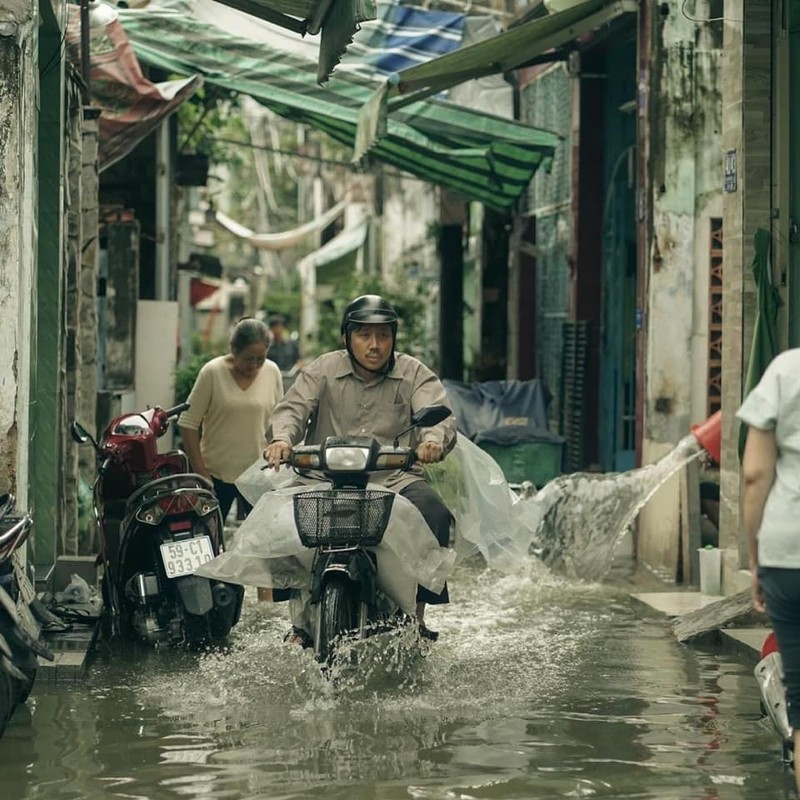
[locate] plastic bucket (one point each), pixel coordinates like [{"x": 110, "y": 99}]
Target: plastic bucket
[
  {"x": 709, "y": 434},
  {"x": 710, "y": 570}
]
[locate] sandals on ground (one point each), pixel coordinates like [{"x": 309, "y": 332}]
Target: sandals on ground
[{"x": 427, "y": 633}]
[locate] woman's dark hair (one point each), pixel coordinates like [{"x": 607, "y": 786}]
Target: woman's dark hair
[{"x": 249, "y": 330}]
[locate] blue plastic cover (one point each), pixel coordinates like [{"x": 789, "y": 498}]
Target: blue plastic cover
[{"x": 502, "y": 412}]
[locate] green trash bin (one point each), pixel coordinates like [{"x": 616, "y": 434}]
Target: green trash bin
[{"x": 537, "y": 462}]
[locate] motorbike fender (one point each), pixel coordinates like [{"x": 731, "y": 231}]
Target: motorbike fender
[
  {"x": 769, "y": 675},
  {"x": 358, "y": 565},
  {"x": 195, "y": 593}
]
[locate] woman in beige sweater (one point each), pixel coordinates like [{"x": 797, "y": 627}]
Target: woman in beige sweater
[{"x": 229, "y": 411}]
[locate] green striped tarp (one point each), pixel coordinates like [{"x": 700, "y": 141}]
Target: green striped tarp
[{"x": 483, "y": 157}]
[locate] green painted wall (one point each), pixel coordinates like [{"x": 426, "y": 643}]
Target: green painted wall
[{"x": 47, "y": 380}]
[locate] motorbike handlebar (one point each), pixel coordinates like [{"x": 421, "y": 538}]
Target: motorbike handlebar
[{"x": 176, "y": 410}]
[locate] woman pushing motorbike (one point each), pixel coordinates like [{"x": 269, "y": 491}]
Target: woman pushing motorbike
[
  {"x": 231, "y": 401},
  {"x": 369, "y": 389}
]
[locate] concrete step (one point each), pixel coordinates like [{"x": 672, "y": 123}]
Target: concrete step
[
  {"x": 744, "y": 641},
  {"x": 71, "y": 647}
]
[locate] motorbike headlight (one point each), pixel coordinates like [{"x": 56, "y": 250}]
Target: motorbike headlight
[{"x": 347, "y": 459}]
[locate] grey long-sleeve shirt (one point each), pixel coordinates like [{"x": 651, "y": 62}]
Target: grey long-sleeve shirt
[{"x": 329, "y": 399}]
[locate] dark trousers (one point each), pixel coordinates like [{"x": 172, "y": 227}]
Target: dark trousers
[
  {"x": 439, "y": 520},
  {"x": 781, "y": 590},
  {"x": 226, "y": 493}
]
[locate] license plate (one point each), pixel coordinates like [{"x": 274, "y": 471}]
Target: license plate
[{"x": 183, "y": 558}]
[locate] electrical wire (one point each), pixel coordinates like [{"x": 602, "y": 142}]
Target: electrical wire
[
  {"x": 708, "y": 19},
  {"x": 278, "y": 150}
]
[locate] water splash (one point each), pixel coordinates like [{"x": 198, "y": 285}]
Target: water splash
[{"x": 580, "y": 518}]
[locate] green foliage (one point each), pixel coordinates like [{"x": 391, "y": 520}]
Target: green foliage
[
  {"x": 209, "y": 116},
  {"x": 447, "y": 479},
  {"x": 186, "y": 375},
  {"x": 286, "y": 303}
]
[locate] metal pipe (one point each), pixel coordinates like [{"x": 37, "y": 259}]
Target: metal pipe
[
  {"x": 85, "y": 53},
  {"x": 163, "y": 211}
]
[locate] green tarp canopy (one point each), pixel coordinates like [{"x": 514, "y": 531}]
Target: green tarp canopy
[
  {"x": 483, "y": 157},
  {"x": 502, "y": 53}
]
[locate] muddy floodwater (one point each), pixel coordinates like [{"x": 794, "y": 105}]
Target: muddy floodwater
[{"x": 538, "y": 688}]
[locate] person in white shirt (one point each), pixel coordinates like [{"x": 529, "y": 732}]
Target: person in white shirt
[{"x": 771, "y": 510}]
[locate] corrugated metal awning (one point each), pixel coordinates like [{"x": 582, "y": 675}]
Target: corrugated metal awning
[
  {"x": 506, "y": 51},
  {"x": 335, "y": 20}
]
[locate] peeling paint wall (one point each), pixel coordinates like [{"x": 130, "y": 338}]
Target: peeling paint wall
[
  {"x": 410, "y": 210},
  {"x": 686, "y": 191},
  {"x": 17, "y": 237},
  {"x": 408, "y": 243}
]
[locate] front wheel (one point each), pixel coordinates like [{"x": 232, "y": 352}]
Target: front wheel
[{"x": 338, "y": 615}]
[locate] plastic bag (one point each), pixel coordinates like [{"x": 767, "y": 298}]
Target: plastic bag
[
  {"x": 267, "y": 551},
  {"x": 490, "y": 518},
  {"x": 76, "y": 591},
  {"x": 258, "y": 478}
]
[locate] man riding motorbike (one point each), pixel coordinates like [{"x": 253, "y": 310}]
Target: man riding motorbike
[{"x": 370, "y": 389}]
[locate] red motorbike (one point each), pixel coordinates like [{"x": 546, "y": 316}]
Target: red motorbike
[{"x": 158, "y": 523}]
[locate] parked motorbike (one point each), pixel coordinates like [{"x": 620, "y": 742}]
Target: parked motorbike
[
  {"x": 342, "y": 524},
  {"x": 769, "y": 675},
  {"x": 158, "y": 523},
  {"x": 19, "y": 642}
]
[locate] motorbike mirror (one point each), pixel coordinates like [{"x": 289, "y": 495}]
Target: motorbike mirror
[
  {"x": 80, "y": 434},
  {"x": 426, "y": 417}
]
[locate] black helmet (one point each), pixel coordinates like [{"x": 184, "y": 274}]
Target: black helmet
[{"x": 369, "y": 309}]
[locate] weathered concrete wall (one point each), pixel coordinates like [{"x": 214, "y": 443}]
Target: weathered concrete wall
[
  {"x": 746, "y": 124},
  {"x": 410, "y": 211},
  {"x": 408, "y": 244},
  {"x": 86, "y": 401},
  {"x": 80, "y": 346},
  {"x": 18, "y": 21},
  {"x": 72, "y": 351},
  {"x": 686, "y": 193}
]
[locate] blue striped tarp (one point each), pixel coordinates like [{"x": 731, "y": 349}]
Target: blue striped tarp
[{"x": 403, "y": 36}]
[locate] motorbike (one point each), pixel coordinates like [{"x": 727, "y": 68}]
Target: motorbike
[
  {"x": 19, "y": 633},
  {"x": 343, "y": 524},
  {"x": 769, "y": 675},
  {"x": 158, "y": 523}
]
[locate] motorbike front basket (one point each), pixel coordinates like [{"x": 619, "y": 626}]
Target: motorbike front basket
[{"x": 342, "y": 517}]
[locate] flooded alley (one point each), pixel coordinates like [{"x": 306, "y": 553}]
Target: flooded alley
[{"x": 538, "y": 688}]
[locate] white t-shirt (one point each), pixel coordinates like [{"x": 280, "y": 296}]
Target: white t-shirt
[
  {"x": 234, "y": 420},
  {"x": 775, "y": 405}
]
